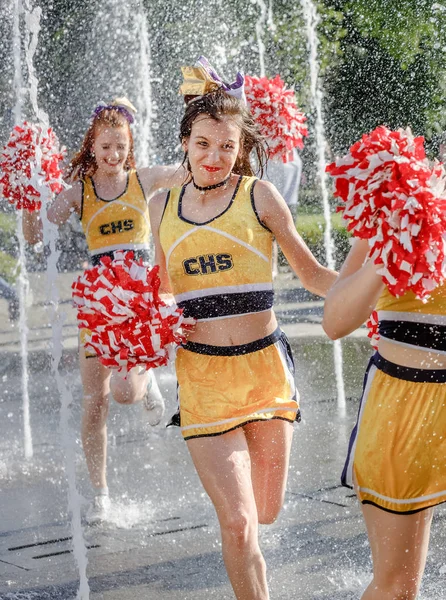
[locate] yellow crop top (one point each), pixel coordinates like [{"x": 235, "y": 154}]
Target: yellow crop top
[
  {"x": 409, "y": 322},
  {"x": 220, "y": 268},
  {"x": 118, "y": 224}
]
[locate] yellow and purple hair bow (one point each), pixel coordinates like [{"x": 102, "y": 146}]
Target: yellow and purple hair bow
[
  {"x": 202, "y": 79},
  {"x": 122, "y": 105}
]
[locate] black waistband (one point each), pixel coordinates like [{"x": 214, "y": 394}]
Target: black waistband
[
  {"x": 235, "y": 350},
  {"x": 137, "y": 254},
  {"x": 408, "y": 373},
  {"x": 423, "y": 335}
]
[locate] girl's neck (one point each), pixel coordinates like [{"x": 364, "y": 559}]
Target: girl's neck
[
  {"x": 213, "y": 194},
  {"x": 109, "y": 180}
]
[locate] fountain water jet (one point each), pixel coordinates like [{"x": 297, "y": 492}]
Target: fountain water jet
[
  {"x": 32, "y": 16},
  {"x": 311, "y": 20},
  {"x": 260, "y": 29},
  {"x": 23, "y": 283}
]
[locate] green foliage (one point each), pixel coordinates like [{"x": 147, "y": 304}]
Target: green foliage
[
  {"x": 312, "y": 227},
  {"x": 8, "y": 267},
  {"x": 392, "y": 69}
]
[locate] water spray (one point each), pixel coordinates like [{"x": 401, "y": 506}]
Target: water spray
[
  {"x": 311, "y": 19},
  {"x": 32, "y": 17}
]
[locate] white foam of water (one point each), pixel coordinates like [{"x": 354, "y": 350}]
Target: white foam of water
[
  {"x": 350, "y": 580},
  {"x": 126, "y": 514},
  {"x": 311, "y": 20}
]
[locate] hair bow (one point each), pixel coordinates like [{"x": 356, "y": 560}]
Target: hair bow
[
  {"x": 202, "y": 79},
  {"x": 122, "y": 105}
]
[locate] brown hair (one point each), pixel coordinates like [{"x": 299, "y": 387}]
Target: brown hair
[
  {"x": 217, "y": 105},
  {"x": 83, "y": 163}
]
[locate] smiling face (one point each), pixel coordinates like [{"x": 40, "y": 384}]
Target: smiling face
[
  {"x": 213, "y": 148},
  {"x": 111, "y": 148}
]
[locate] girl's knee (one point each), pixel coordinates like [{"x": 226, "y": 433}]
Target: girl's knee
[
  {"x": 268, "y": 514},
  {"x": 123, "y": 398},
  {"x": 238, "y": 529}
]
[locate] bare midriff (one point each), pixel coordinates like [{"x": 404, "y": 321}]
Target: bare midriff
[
  {"x": 233, "y": 331},
  {"x": 411, "y": 357}
]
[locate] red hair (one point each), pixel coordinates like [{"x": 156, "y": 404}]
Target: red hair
[{"x": 83, "y": 163}]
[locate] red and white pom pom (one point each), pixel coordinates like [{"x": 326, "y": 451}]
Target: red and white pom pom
[
  {"x": 275, "y": 111},
  {"x": 394, "y": 198},
  {"x": 373, "y": 327},
  {"x": 30, "y": 166},
  {"x": 129, "y": 325}
]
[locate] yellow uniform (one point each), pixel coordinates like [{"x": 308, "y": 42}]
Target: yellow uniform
[
  {"x": 222, "y": 269},
  {"x": 398, "y": 447},
  {"x": 118, "y": 224}
]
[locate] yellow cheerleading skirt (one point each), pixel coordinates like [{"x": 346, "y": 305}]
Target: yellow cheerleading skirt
[
  {"x": 82, "y": 339},
  {"x": 397, "y": 451},
  {"x": 224, "y": 387}
]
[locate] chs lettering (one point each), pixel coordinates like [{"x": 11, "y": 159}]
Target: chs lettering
[{"x": 208, "y": 264}]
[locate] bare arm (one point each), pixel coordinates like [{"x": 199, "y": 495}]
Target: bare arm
[
  {"x": 59, "y": 211},
  {"x": 161, "y": 176},
  {"x": 354, "y": 295},
  {"x": 156, "y": 209},
  {"x": 275, "y": 214}
]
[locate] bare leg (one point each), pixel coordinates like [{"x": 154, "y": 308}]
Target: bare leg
[
  {"x": 129, "y": 389},
  {"x": 269, "y": 446},
  {"x": 96, "y": 388},
  {"x": 224, "y": 466},
  {"x": 399, "y": 545}
]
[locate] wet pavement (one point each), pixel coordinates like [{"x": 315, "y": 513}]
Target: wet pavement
[{"x": 163, "y": 538}]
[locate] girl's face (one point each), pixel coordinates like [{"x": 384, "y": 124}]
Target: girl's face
[
  {"x": 111, "y": 148},
  {"x": 213, "y": 148}
]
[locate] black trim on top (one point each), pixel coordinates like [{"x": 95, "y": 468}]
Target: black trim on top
[
  {"x": 180, "y": 204},
  {"x": 140, "y": 185},
  {"x": 254, "y": 208},
  {"x": 82, "y": 199},
  {"x": 111, "y": 199},
  {"x": 137, "y": 254},
  {"x": 165, "y": 206},
  {"x": 227, "y": 305},
  {"x": 426, "y": 335},
  {"x": 408, "y": 373},
  {"x": 254, "y": 346}
]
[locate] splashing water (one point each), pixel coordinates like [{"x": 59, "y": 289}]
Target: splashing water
[
  {"x": 120, "y": 43},
  {"x": 143, "y": 100},
  {"x": 50, "y": 234},
  {"x": 260, "y": 30},
  {"x": 22, "y": 281},
  {"x": 311, "y": 20}
]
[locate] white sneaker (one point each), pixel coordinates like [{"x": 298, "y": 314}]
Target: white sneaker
[
  {"x": 153, "y": 402},
  {"x": 98, "y": 510}
]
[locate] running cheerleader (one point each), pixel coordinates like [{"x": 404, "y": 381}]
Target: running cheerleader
[
  {"x": 395, "y": 202},
  {"x": 237, "y": 396},
  {"x": 110, "y": 198}
]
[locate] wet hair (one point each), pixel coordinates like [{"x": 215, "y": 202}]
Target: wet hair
[
  {"x": 83, "y": 164},
  {"x": 219, "y": 104}
]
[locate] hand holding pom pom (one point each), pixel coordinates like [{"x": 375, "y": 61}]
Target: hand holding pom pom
[
  {"x": 29, "y": 166},
  {"x": 396, "y": 200},
  {"x": 276, "y": 113},
  {"x": 119, "y": 303}
]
